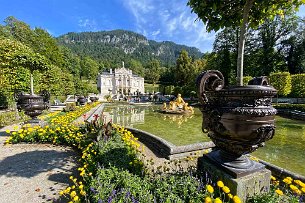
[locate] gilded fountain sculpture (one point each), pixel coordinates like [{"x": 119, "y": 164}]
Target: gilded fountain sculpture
[
  {"x": 238, "y": 120},
  {"x": 178, "y": 106}
]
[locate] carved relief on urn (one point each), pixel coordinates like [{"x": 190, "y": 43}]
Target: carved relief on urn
[{"x": 238, "y": 119}]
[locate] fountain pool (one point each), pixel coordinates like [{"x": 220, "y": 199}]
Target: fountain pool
[{"x": 286, "y": 149}]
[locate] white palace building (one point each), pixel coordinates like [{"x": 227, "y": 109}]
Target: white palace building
[{"x": 120, "y": 82}]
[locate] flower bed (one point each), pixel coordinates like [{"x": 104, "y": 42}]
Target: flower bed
[{"x": 113, "y": 168}]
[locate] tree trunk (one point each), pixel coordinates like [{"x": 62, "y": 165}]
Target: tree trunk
[
  {"x": 32, "y": 84},
  {"x": 241, "y": 45}
]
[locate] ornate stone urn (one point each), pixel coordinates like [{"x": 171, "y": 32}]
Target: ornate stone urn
[
  {"x": 93, "y": 99},
  {"x": 32, "y": 104},
  {"x": 238, "y": 120},
  {"x": 82, "y": 100}
]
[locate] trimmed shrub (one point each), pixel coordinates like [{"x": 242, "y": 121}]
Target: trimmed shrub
[
  {"x": 298, "y": 85},
  {"x": 282, "y": 82},
  {"x": 246, "y": 79},
  {"x": 299, "y": 107}
]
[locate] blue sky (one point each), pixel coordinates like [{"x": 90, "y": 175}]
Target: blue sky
[{"x": 160, "y": 20}]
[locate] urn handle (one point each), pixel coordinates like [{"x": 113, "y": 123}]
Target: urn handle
[
  {"x": 263, "y": 80},
  {"x": 210, "y": 80}
]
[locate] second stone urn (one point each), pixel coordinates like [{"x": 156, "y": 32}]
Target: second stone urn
[{"x": 238, "y": 120}]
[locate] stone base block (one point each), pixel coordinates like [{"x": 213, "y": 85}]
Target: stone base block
[{"x": 244, "y": 187}]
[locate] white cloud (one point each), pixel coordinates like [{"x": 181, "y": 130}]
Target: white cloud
[
  {"x": 169, "y": 20},
  {"x": 87, "y": 24},
  {"x": 156, "y": 32}
]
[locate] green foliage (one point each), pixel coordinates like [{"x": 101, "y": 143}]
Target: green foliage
[
  {"x": 10, "y": 117},
  {"x": 247, "y": 79},
  {"x": 281, "y": 82},
  {"x": 184, "y": 69},
  {"x": 70, "y": 107},
  {"x": 219, "y": 14},
  {"x": 243, "y": 14},
  {"x": 89, "y": 68},
  {"x": 24, "y": 50},
  {"x": 299, "y": 107},
  {"x": 272, "y": 197},
  {"x": 186, "y": 72},
  {"x": 152, "y": 71},
  {"x": 151, "y": 87},
  {"x": 298, "y": 85},
  {"x": 136, "y": 67},
  {"x": 113, "y": 47},
  {"x": 120, "y": 186}
]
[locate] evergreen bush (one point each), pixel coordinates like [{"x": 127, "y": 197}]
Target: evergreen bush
[
  {"x": 281, "y": 81},
  {"x": 298, "y": 85}
]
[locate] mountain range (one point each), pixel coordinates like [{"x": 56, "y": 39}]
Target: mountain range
[{"x": 121, "y": 45}]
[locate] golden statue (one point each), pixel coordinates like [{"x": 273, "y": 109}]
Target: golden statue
[{"x": 179, "y": 106}]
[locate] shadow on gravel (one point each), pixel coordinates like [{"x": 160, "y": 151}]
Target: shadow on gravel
[{"x": 30, "y": 164}]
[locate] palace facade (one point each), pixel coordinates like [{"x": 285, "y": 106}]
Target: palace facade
[{"x": 120, "y": 82}]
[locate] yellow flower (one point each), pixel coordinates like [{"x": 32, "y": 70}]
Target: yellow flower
[
  {"x": 289, "y": 178},
  {"x": 208, "y": 200},
  {"x": 220, "y": 184},
  {"x": 76, "y": 198},
  {"x": 61, "y": 193},
  {"x": 73, "y": 194},
  {"x": 293, "y": 187},
  {"x": 298, "y": 192},
  {"x": 303, "y": 189},
  {"x": 210, "y": 188},
  {"x": 225, "y": 189},
  {"x": 217, "y": 200},
  {"x": 230, "y": 195},
  {"x": 236, "y": 199},
  {"x": 279, "y": 192},
  {"x": 273, "y": 178},
  {"x": 68, "y": 189},
  {"x": 287, "y": 181},
  {"x": 7, "y": 131},
  {"x": 82, "y": 192}
]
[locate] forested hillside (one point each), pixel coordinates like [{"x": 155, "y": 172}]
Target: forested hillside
[{"x": 112, "y": 47}]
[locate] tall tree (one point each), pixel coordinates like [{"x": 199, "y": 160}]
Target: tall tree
[
  {"x": 89, "y": 68},
  {"x": 240, "y": 13},
  {"x": 136, "y": 67},
  {"x": 184, "y": 69},
  {"x": 153, "y": 71}
]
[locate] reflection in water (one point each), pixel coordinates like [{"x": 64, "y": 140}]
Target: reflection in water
[
  {"x": 125, "y": 115},
  {"x": 286, "y": 149},
  {"x": 177, "y": 129},
  {"x": 178, "y": 119}
]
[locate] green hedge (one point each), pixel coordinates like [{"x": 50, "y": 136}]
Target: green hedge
[
  {"x": 299, "y": 107},
  {"x": 298, "y": 85},
  {"x": 282, "y": 82},
  {"x": 246, "y": 79}
]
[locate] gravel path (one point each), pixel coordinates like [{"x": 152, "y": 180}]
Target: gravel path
[
  {"x": 34, "y": 172},
  {"x": 31, "y": 173}
]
